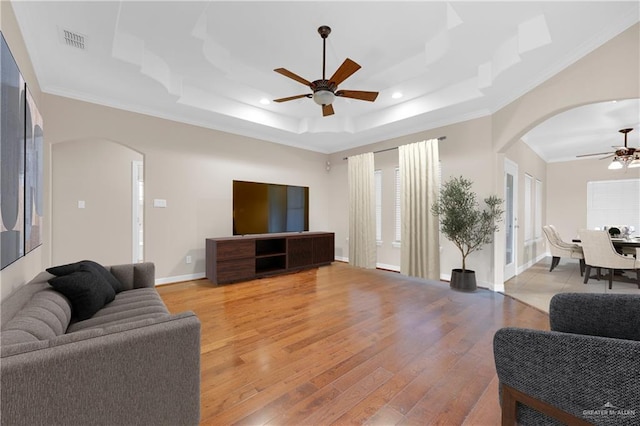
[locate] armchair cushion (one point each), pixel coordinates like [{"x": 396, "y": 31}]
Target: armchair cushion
[{"x": 606, "y": 315}]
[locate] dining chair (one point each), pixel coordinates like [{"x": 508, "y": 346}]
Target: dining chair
[
  {"x": 600, "y": 253},
  {"x": 560, "y": 248}
]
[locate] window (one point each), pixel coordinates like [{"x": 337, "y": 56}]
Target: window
[
  {"x": 528, "y": 205},
  {"x": 378, "y": 183},
  {"x": 613, "y": 203},
  {"x": 537, "y": 230}
]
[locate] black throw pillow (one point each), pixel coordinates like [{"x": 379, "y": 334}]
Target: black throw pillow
[
  {"x": 97, "y": 268},
  {"x": 87, "y": 291}
]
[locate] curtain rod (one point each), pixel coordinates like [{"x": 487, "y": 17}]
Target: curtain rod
[{"x": 441, "y": 138}]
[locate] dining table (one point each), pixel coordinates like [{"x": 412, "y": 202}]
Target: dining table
[
  {"x": 618, "y": 243},
  {"x": 625, "y": 242}
]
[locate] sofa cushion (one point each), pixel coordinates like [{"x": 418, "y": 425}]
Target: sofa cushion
[
  {"x": 47, "y": 314},
  {"x": 92, "y": 266},
  {"x": 128, "y": 306},
  {"x": 87, "y": 291}
]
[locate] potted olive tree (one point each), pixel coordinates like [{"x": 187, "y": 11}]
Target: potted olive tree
[{"x": 466, "y": 224}]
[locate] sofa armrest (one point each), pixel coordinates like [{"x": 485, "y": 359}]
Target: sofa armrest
[
  {"x": 135, "y": 275},
  {"x": 143, "y": 375},
  {"x": 575, "y": 373},
  {"x": 606, "y": 315}
]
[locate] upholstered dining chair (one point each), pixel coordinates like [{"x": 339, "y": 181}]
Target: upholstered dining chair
[
  {"x": 560, "y": 248},
  {"x": 600, "y": 253}
]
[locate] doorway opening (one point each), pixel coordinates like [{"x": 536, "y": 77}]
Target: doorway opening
[{"x": 137, "y": 209}]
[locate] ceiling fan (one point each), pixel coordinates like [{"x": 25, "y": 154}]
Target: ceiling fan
[
  {"x": 324, "y": 91},
  {"x": 623, "y": 156}
]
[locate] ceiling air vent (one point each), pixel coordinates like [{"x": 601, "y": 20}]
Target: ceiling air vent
[{"x": 73, "y": 39}]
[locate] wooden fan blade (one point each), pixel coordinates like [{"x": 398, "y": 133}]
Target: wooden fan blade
[
  {"x": 345, "y": 71},
  {"x": 290, "y": 98},
  {"x": 590, "y": 155},
  {"x": 358, "y": 94},
  {"x": 289, "y": 74},
  {"x": 327, "y": 110}
]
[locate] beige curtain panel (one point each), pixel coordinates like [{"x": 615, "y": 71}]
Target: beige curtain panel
[
  {"x": 419, "y": 232},
  {"x": 362, "y": 215}
]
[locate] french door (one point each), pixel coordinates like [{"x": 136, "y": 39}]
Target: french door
[{"x": 511, "y": 218}]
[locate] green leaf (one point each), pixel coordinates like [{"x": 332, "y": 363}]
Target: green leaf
[{"x": 462, "y": 220}]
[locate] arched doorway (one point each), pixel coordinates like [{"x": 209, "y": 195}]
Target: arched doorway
[{"x": 97, "y": 189}]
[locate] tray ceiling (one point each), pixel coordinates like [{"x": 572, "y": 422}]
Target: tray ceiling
[{"x": 210, "y": 63}]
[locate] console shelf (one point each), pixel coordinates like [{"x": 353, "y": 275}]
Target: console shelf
[{"x": 243, "y": 258}]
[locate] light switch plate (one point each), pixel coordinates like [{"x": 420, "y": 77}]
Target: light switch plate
[
  {"x": 81, "y": 204},
  {"x": 158, "y": 202}
]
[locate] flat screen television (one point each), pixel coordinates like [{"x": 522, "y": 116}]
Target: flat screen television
[{"x": 262, "y": 208}]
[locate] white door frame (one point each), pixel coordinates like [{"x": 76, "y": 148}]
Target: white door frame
[
  {"x": 137, "y": 212},
  {"x": 511, "y": 221}
]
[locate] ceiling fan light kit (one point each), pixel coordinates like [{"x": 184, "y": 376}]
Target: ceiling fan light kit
[
  {"x": 615, "y": 165},
  {"x": 323, "y": 97},
  {"x": 635, "y": 163},
  {"x": 325, "y": 91}
]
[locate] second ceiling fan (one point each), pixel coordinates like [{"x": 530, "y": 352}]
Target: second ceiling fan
[{"x": 325, "y": 91}]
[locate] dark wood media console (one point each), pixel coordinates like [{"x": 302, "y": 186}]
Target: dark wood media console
[{"x": 241, "y": 258}]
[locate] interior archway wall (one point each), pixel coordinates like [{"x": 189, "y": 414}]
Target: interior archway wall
[
  {"x": 608, "y": 73},
  {"x": 98, "y": 173}
]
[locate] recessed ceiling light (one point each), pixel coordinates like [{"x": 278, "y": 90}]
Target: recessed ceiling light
[
  {"x": 265, "y": 101},
  {"x": 396, "y": 95}
]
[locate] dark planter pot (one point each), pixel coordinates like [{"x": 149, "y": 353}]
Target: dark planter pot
[{"x": 463, "y": 281}]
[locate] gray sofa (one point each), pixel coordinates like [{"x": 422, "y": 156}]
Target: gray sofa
[
  {"x": 132, "y": 363},
  {"x": 585, "y": 369}
]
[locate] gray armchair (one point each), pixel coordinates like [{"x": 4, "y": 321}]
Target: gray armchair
[{"x": 584, "y": 371}]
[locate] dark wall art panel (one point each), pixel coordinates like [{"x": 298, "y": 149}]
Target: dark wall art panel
[
  {"x": 12, "y": 143},
  {"x": 33, "y": 208}
]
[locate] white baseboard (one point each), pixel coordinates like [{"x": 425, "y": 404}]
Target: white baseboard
[
  {"x": 179, "y": 278},
  {"x": 529, "y": 264},
  {"x": 386, "y": 267}
]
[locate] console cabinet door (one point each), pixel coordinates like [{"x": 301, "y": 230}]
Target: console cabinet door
[
  {"x": 236, "y": 270},
  {"x": 299, "y": 252},
  {"x": 323, "y": 249},
  {"x": 235, "y": 249}
]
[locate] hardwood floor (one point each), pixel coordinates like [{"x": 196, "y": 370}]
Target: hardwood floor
[{"x": 343, "y": 345}]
